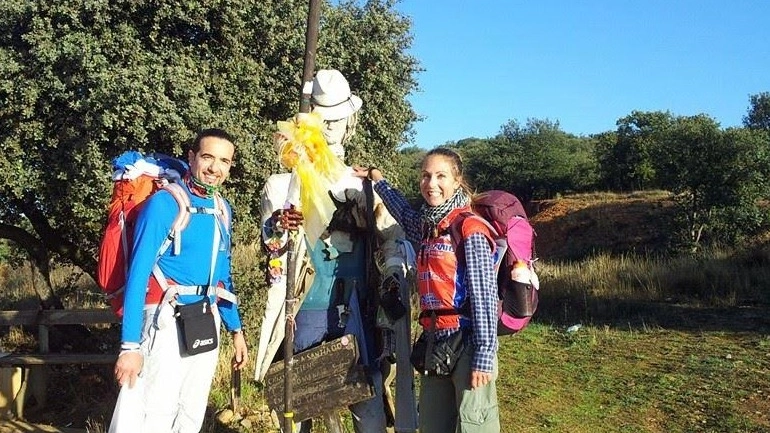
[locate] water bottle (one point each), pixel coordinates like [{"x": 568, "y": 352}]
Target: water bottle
[{"x": 520, "y": 272}]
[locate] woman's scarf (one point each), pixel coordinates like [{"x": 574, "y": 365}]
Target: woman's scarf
[{"x": 432, "y": 215}]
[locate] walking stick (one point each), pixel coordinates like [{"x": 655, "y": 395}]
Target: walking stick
[
  {"x": 311, "y": 42},
  {"x": 235, "y": 390}
]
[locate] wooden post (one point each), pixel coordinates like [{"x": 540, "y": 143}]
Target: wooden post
[
  {"x": 332, "y": 422},
  {"x": 40, "y": 384},
  {"x": 308, "y": 67},
  {"x": 288, "y": 343},
  {"x": 311, "y": 42}
]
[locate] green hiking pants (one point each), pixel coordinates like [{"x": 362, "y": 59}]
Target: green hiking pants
[{"x": 447, "y": 403}]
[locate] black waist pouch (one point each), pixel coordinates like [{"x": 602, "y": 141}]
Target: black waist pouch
[
  {"x": 437, "y": 358},
  {"x": 199, "y": 331}
]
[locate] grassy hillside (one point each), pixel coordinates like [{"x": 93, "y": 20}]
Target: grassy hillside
[{"x": 575, "y": 226}]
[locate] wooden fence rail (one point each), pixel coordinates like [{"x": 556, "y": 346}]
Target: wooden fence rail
[{"x": 34, "y": 364}]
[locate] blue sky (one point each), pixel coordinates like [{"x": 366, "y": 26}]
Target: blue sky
[{"x": 583, "y": 63}]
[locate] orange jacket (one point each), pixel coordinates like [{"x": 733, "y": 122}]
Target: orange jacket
[{"x": 440, "y": 281}]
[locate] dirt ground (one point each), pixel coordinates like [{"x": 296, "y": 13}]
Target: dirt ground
[{"x": 570, "y": 227}]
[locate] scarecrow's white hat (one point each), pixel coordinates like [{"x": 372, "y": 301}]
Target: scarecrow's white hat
[{"x": 331, "y": 97}]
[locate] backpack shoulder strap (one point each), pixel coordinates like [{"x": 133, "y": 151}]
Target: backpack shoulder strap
[
  {"x": 180, "y": 222},
  {"x": 456, "y": 229},
  {"x": 182, "y": 218},
  {"x": 182, "y": 199},
  {"x": 221, "y": 207},
  {"x": 456, "y": 234},
  {"x": 220, "y": 213}
]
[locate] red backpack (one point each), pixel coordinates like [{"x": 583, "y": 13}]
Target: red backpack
[
  {"x": 517, "y": 282},
  {"x": 136, "y": 177}
]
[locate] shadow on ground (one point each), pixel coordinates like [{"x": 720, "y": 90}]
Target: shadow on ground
[{"x": 564, "y": 312}]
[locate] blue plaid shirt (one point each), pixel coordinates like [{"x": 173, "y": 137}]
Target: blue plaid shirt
[{"x": 480, "y": 279}]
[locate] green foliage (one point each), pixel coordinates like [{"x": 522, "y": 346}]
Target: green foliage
[
  {"x": 534, "y": 161},
  {"x": 5, "y": 251},
  {"x": 758, "y": 116},
  {"x": 369, "y": 46},
  {"x": 81, "y": 82},
  {"x": 716, "y": 176},
  {"x": 408, "y": 172},
  {"x": 630, "y": 162},
  {"x": 484, "y": 163}
]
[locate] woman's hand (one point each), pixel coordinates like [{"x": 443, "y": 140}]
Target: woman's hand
[
  {"x": 372, "y": 173},
  {"x": 362, "y": 172},
  {"x": 480, "y": 378}
]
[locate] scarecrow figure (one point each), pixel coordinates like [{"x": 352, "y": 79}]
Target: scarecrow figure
[{"x": 340, "y": 233}]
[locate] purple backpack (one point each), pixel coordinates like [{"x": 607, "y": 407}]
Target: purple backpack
[{"x": 517, "y": 282}]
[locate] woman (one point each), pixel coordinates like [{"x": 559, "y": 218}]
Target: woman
[{"x": 458, "y": 297}]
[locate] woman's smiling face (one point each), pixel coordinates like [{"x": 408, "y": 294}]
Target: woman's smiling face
[{"x": 438, "y": 182}]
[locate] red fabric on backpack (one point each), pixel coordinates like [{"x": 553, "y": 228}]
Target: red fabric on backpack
[{"x": 115, "y": 247}]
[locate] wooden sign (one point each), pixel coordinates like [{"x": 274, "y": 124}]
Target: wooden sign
[{"x": 324, "y": 379}]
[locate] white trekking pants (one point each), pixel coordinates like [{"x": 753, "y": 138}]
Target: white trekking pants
[{"x": 175, "y": 386}]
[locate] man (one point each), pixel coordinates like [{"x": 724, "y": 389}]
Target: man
[
  {"x": 169, "y": 387},
  {"x": 336, "y": 297}
]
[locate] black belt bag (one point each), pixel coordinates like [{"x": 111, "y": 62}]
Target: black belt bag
[
  {"x": 436, "y": 358},
  {"x": 199, "y": 330}
]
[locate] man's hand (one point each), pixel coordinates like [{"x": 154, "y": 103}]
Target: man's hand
[
  {"x": 288, "y": 219},
  {"x": 128, "y": 366},
  {"x": 241, "y": 355}
]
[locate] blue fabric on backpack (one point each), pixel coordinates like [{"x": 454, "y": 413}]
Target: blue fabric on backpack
[
  {"x": 169, "y": 162},
  {"x": 164, "y": 161}
]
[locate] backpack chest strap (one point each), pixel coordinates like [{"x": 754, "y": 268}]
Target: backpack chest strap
[
  {"x": 204, "y": 210},
  {"x": 219, "y": 292}
]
